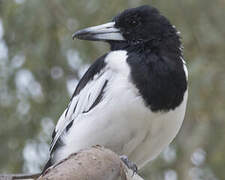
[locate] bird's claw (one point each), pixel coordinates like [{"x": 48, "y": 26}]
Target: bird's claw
[{"x": 129, "y": 164}]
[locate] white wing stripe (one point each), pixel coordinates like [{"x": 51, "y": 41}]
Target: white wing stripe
[{"x": 82, "y": 102}]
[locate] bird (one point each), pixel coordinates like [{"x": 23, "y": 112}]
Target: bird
[{"x": 132, "y": 99}]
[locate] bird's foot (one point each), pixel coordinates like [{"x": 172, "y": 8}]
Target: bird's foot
[{"x": 129, "y": 164}]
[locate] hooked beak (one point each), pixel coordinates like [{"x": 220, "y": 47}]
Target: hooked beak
[{"x": 104, "y": 32}]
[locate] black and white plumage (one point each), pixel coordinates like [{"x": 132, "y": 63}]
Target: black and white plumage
[{"x": 131, "y": 100}]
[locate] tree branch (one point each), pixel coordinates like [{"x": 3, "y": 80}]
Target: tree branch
[{"x": 96, "y": 163}]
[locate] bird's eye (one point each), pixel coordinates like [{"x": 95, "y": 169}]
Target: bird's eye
[{"x": 133, "y": 22}]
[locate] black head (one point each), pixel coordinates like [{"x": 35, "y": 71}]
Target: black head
[
  {"x": 143, "y": 25},
  {"x": 154, "y": 54}
]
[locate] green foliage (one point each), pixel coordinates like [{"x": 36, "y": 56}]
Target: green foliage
[{"x": 37, "y": 72}]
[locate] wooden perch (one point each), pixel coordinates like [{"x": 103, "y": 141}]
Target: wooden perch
[{"x": 96, "y": 163}]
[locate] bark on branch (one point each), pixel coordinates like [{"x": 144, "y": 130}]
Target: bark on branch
[{"x": 96, "y": 163}]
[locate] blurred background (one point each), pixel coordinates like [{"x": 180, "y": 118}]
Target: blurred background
[{"x": 40, "y": 66}]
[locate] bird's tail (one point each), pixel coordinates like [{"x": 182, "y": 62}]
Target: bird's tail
[{"x": 47, "y": 165}]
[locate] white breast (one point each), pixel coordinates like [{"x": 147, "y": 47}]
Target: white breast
[{"x": 162, "y": 129}]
